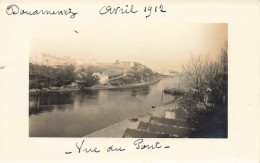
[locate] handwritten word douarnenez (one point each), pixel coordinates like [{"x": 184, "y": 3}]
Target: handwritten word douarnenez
[{"x": 14, "y": 10}]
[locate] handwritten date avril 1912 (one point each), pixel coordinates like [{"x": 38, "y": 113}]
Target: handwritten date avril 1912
[
  {"x": 130, "y": 9},
  {"x": 138, "y": 144},
  {"x": 105, "y": 10}
]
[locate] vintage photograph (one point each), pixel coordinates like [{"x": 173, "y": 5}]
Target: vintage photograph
[{"x": 160, "y": 81}]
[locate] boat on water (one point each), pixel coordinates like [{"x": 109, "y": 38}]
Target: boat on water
[{"x": 174, "y": 91}]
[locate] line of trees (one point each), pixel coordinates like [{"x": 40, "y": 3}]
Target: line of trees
[{"x": 42, "y": 76}]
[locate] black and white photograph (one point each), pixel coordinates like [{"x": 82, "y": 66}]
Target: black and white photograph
[
  {"x": 140, "y": 81},
  {"x": 159, "y": 84}
]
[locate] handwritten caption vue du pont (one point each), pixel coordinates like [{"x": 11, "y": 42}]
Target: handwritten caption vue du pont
[
  {"x": 139, "y": 144},
  {"x": 105, "y": 10}
]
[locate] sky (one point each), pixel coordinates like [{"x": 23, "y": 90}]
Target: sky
[{"x": 160, "y": 46}]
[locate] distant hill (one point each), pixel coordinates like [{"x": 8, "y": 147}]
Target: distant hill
[
  {"x": 106, "y": 74},
  {"x": 136, "y": 74},
  {"x": 107, "y": 69},
  {"x": 124, "y": 73}
]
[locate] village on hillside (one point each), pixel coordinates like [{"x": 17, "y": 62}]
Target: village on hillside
[{"x": 65, "y": 73}]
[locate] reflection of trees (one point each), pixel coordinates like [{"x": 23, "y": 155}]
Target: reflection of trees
[
  {"x": 37, "y": 110},
  {"x": 51, "y": 99},
  {"x": 41, "y": 109},
  {"x": 87, "y": 94},
  {"x": 47, "y": 101},
  {"x": 143, "y": 91},
  {"x": 90, "y": 92}
]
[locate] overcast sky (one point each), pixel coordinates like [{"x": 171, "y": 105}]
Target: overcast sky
[{"x": 160, "y": 46}]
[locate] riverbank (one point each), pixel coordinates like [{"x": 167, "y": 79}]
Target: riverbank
[
  {"x": 64, "y": 89},
  {"x": 117, "y": 130},
  {"x": 33, "y": 91},
  {"x": 123, "y": 86}
]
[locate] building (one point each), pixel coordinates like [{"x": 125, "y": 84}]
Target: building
[
  {"x": 50, "y": 60},
  {"x": 102, "y": 77}
]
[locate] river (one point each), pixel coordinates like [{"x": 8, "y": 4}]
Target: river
[{"x": 79, "y": 113}]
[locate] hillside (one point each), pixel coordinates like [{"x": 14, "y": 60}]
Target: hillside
[
  {"x": 133, "y": 75},
  {"x": 121, "y": 74},
  {"x": 106, "y": 74}
]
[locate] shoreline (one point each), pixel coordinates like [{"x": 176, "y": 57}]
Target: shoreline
[
  {"x": 118, "y": 129},
  {"x": 123, "y": 86},
  {"x": 53, "y": 90},
  {"x": 129, "y": 86}
]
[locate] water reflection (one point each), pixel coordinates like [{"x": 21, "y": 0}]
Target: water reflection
[
  {"x": 75, "y": 114},
  {"x": 144, "y": 91},
  {"x": 47, "y": 102},
  {"x": 50, "y": 98},
  {"x": 37, "y": 110}
]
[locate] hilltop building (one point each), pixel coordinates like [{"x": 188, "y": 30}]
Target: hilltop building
[{"x": 102, "y": 77}]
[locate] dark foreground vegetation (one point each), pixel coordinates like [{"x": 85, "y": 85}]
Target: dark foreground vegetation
[{"x": 206, "y": 97}]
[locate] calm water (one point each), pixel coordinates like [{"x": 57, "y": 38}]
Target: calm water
[{"x": 79, "y": 113}]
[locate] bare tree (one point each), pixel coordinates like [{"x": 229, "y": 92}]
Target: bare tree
[
  {"x": 194, "y": 79},
  {"x": 206, "y": 84},
  {"x": 206, "y": 81}
]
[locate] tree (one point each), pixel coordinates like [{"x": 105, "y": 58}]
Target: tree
[
  {"x": 194, "y": 79},
  {"x": 89, "y": 80},
  {"x": 206, "y": 83},
  {"x": 207, "y": 80},
  {"x": 44, "y": 76}
]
